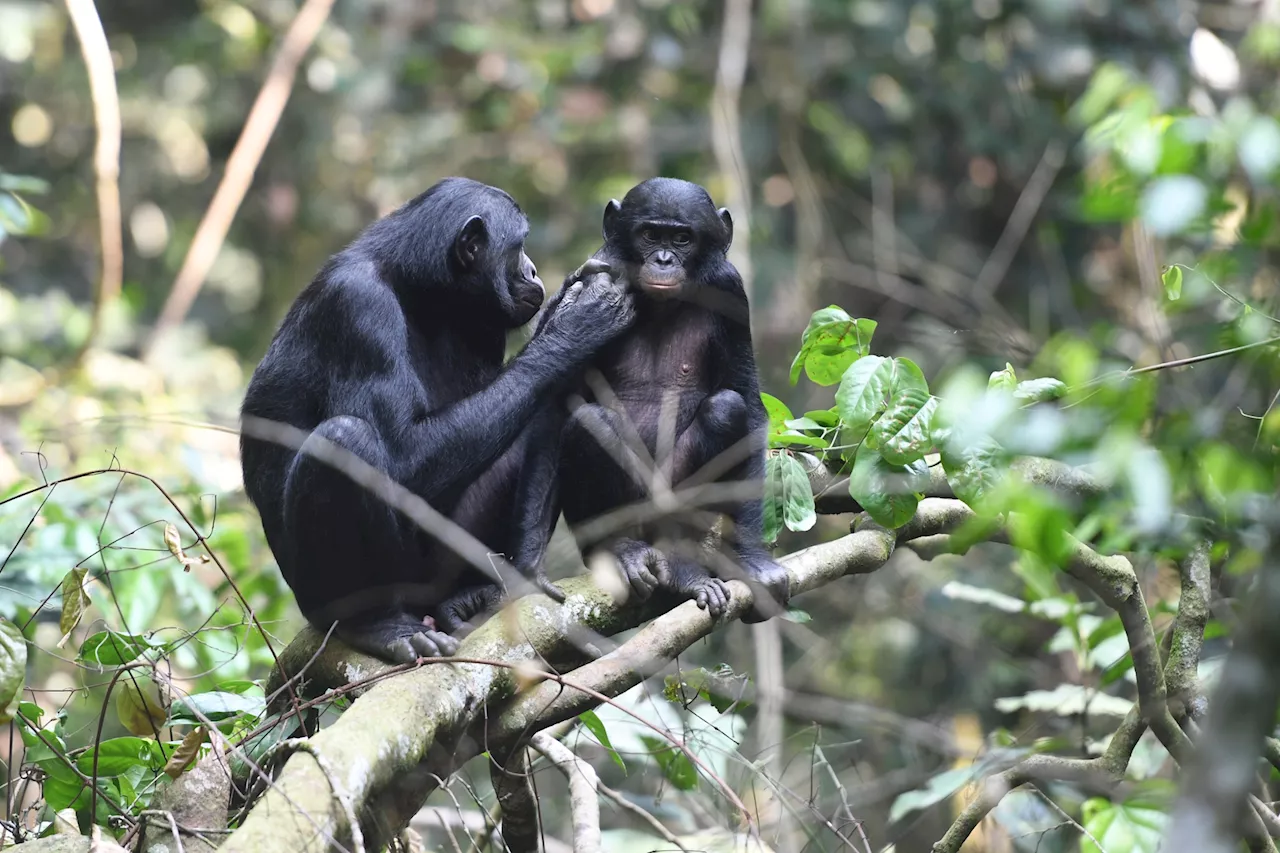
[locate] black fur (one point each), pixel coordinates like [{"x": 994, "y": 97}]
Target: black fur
[
  {"x": 690, "y": 351},
  {"x": 394, "y": 353}
]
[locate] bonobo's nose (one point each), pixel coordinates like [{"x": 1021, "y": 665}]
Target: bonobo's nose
[{"x": 664, "y": 258}]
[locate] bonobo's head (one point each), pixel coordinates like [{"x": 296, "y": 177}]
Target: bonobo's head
[
  {"x": 665, "y": 230},
  {"x": 466, "y": 241}
]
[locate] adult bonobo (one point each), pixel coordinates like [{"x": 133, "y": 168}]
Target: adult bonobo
[
  {"x": 395, "y": 353},
  {"x": 683, "y": 384}
]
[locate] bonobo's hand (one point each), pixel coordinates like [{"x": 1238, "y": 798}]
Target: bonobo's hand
[{"x": 590, "y": 310}]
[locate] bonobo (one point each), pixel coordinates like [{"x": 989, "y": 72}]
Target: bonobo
[
  {"x": 683, "y": 383},
  {"x": 394, "y": 353}
]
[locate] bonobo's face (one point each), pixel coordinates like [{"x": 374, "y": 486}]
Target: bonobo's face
[
  {"x": 665, "y": 230},
  {"x": 524, "y": 289},
  {"x": 665, "y": 249}
]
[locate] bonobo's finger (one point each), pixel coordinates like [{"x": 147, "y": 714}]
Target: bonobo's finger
[
  {"x": 433, "y": 644},
  {"x": 399, "y": 651},
  {"x": 549, "y": 589},
  {"x": 592, "y": 266}
]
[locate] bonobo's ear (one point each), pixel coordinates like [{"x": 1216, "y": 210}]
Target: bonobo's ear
[
  {"x": 611, "y": 211},
  {"x": 727, "y": 220},
  {"x": 471, "y": 242}
]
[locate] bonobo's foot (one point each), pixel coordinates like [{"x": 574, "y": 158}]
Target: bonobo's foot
[
  {"x": 454, "y": 614},
  {"x": 398, "y": 638},
  {"x": 770, "y": 586},
  {"x": 644, "y": 567},
  {"x": 692, "y": 581}
]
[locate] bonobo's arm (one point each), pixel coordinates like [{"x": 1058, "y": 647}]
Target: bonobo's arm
[
  {"x": 748, "y": 517},
  {"x": 445, "y": 448}
]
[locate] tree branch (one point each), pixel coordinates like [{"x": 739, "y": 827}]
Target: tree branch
[
  {"x": 264, "y": 115},
  {"x": 106, "y": 154},
  {"x": 584, "y": 803}
]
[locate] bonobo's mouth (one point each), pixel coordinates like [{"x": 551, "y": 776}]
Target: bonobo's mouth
[{"x": 661, "y": 283}]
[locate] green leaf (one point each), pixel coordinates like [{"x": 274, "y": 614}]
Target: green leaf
[
  {"x": 904, "y": 433},
  {"x": 215, "y": 706},
  {"x": 23, "y": 184},
  {"x": 825, "y": 417},
  {"x": 13, "y": 669},
  {"x": 975, "y": 471},
  {"x": 74, "y": 600},
  {"x": 60, "y": 793},
  {"x": 1172, "y": 279},
  {"x": 1131, "y": 827},
  {"x": 798, "y": 511},
  {"x": 935, "y": 790},
  {"x": 1003, "y": 380},
  {"x": 1040, "y": 390},
  {"x": 864, "y": 394},
  {"x": 1066, "y": 700},
  {"x": 674, "y": 763},
  {"x": 803, "y": 424},
  {"x": 108, "y": 648},
  {"x": 117, "y": 755},
  {"x": 889, "y": 493},
  {"x": 792, "y": 438},
  {"x": 831, "y": 342},
  {"x": 772, "y": 498},
  {"x": 777, "y": 410},
  {"x": 596, "y": 727}
]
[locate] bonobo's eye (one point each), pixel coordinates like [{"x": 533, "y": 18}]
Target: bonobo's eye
[
  {"x": 681, "y": 238},
  {"x": 648, "y": 235}
]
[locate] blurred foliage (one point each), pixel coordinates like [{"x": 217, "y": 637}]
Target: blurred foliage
[{"x": 891, "y": 149}]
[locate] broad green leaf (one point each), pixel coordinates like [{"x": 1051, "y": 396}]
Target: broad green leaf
[
  {"x": 905, "y": 432},
  {"x": 798, "y": 511},
  {"x": 864, "y": 394},
  {"x": 1066, "y": 700},
  {"x": 777, "y": 410},
  {"x": 773, "y": 497},
  {"x": 792, "y": 438},
  {"x": 74, "y": 600},
  {"x": 1040, "y": 390},
  {"x": 140, "y": 704},
  {"x": 687, "y": 685},
  {"x": 973, "y": 472},
  {"x": 675, "y": 764},
  {"x": 216, "y": 706},
  {"x": 60, "y": 793},
  {"x": 804, "y": 423},
  {"x": 594, "y": 725},
  {"x": 825, "y": 417},
  {"x": 889, "y": 493},
  {"x": 1042, "y": 527},
  {"x": 1130, "y": 827},
  {"x": 831, "y": 342},
  {"x": 1172, "y": 279},
  {"x": 13, "y": 669},
  {"x": 117, "y": 755},
  {"x": 108, "y": 648},
  {"x": 23, "y": 184},
  {"x": 1004, "y": 380},
  {"x": 935, "y": 790}
]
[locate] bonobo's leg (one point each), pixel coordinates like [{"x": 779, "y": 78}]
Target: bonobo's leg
[
  {"x": 712, "y": 440},
  {"x": 351, "y": 549},
  {"x": 717, "y": 446},
  {"x": 537, "y": 501},
  {"x": 691, "y": 580}
]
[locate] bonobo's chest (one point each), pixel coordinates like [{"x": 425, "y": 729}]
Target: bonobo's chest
[{"x": 675, "y": 350}]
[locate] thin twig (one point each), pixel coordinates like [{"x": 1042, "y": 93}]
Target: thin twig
[
  {"x": 241, "y": 165},
  {"x": 584, "y": 803},
  {"x": 726, "y": 133}
]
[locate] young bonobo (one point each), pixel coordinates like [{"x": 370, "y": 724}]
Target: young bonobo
[
  {"x": 683, "y": 383},
  {"x": 394, "y": 353}
]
